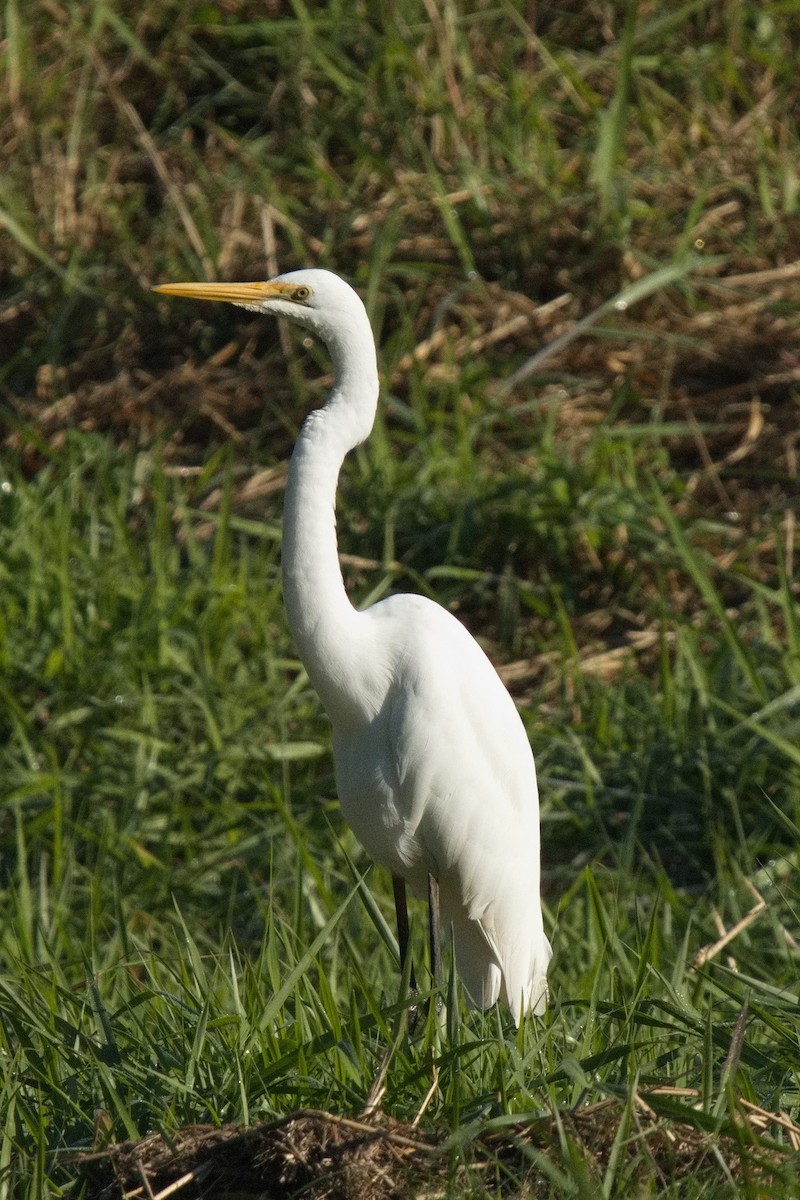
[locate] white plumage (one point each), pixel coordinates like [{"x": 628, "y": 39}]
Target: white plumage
[{"x": 433, "y": 767}]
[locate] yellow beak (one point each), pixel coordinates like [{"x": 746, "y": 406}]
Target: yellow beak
[{"x": 234, "y": 293}]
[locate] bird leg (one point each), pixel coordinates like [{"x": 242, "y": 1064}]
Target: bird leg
[
  {"x": 433, "y": 930},
  {"x": 401, "y": 912}
]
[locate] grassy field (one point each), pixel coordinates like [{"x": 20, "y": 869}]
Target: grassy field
[{"x": 577, "y": 231}]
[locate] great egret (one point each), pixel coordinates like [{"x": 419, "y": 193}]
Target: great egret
[{"x": 434, "y": 771}]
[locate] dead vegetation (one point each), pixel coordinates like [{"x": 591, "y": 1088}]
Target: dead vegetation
[{"x": 325, "y": 1157}]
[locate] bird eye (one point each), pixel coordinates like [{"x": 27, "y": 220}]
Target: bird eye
[{"x": 301, "y": 293}]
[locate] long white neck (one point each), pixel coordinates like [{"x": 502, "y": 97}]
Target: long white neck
[{"x": 324, "y": 624}]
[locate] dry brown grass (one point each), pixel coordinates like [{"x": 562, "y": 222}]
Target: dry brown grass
[{"x": 326, "y": 1157}]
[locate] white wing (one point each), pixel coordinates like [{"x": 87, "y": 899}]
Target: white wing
[{"x": 453, "y": 792}]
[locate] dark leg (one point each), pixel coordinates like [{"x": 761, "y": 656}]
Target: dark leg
[
  {"x": 433, "y": 930},
  {"x": 401, "y": 912}
]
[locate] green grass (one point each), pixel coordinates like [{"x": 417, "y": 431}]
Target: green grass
[
  {"x": 183, "y": 939},
  {"x": 188, "y": 932}
]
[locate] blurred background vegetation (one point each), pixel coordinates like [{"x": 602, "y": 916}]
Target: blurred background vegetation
[{"x": 576, "y": 228}]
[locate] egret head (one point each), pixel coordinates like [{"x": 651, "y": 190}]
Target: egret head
[{"x": 318, "y": 300}]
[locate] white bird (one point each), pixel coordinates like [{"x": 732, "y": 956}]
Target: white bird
[{"x": 434, "y": 770}]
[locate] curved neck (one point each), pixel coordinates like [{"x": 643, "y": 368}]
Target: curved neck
[{"x": 323, "y": 622}]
